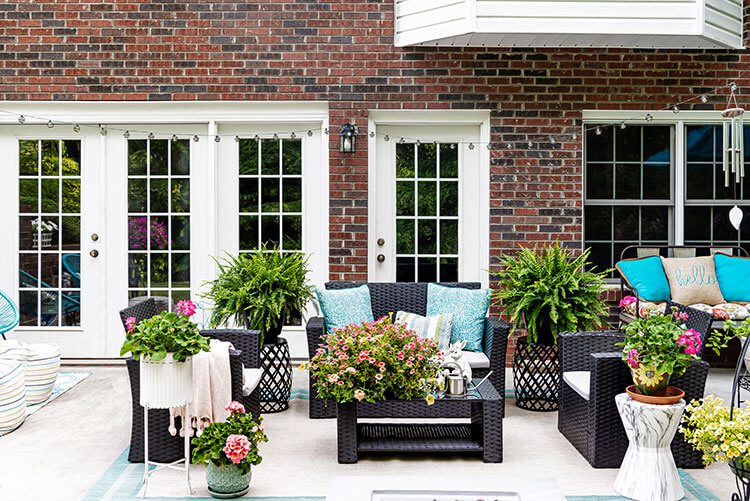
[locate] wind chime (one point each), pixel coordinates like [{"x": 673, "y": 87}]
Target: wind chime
[{"x": 733, "y": 159}]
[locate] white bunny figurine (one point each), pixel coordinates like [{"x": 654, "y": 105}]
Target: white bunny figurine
[{"x": 456, "y": 356}]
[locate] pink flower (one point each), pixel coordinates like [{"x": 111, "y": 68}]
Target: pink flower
[
  {"x": 633, "y": 358},
  {"x": 237, "y": 447},
  {"x": 627, "y": 300},
  {"x": 681, "y": 316},
  {"x": 359, "y": 395},
  {"x": 235, "y": 408},
  {"x": 130, "y": 323},
  {"x": 691, "y": 340},
  {"x": 185, "y": 307},
  {"x": 378, "y": 376}
]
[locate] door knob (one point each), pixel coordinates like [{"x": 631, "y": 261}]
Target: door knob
[
  {"x": 94, "y": 237},
  {"x": 94, "y": 253},
  {"x": 380, "y": 258},
  {"x": 381, "y": 242}
]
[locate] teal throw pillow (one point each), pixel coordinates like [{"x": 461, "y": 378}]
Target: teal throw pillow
[
  {"x": 469, "y": 308},
  {"x": 645, "y": 275},
  {"x": 341, "y": 307},
  {"x": 733, "y": 274}
]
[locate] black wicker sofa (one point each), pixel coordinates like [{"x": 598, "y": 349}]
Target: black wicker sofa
[{"x": 388, "y": 298}]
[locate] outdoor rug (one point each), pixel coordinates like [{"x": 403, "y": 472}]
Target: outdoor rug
[
  {"x": 65, "y": 381},
  {"x": 300, "y": 460}
]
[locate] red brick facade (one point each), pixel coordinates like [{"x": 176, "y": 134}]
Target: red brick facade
[{"x": 342, "y": 52}]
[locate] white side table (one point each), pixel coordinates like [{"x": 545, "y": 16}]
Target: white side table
[{"x": 648, "y": 471}]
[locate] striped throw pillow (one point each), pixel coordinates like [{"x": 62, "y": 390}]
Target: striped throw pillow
[{"x": 437, "y": 327}]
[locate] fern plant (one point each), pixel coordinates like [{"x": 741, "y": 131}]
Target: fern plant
[
  {"x": 260, "y": 290},
  {"x": 551, "y": 291}
]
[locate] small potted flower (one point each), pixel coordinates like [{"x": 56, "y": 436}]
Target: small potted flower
[
  {"x": 165, "y": 345},
  {"x": 707, "y": 425},
  {"x": 656, "y": 348},
  {"x": 375, "y": 361},
  {"x": 229, "y": 449}
]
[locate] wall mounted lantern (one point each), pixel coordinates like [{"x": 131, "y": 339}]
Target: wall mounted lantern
[{"x": 348, "y": 139}]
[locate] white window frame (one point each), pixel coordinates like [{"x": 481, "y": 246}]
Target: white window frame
[{"x": 678, "y": 121}]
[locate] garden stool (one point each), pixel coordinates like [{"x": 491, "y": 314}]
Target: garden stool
[
  {"x": 12, "y": 395},
  {"x": 648, "y": 471},
  {"x": 42, "y": 368}
]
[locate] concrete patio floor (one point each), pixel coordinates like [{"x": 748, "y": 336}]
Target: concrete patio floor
[{"x": 63, "y": 450}]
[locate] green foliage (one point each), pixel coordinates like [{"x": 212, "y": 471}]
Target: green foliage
[
  {"x": 260, "y": 290},
  {"x": 551, "y": 289},
  {"x": 708, "y": 427},
  {"x": 653, "y": 341},
  {"x": 720, "y": 338},
  {"x": 209, "y": 447},
  {"x": 165, "y": 333},
  {"x": 367, "y": 362}
]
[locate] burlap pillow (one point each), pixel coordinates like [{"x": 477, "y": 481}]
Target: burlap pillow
[{"x": 692, "y": 280}]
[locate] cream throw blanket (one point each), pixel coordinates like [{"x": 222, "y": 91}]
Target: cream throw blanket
[{"x": 212, "y": 390}]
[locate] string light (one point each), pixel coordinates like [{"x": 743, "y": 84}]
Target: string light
[
  {"x": 102, "y": 130},
  {"x": 293, "y": 135},
  {"x": 419, "y": 142},
  {"x": 236, "y": 139},
  {"x": 50, "y": 124},
  {"x": 309, "y": 133},
  {"x": 510, "y": 146},
  {"x": 598, "y": 131},
  {"x": 552, "y": 140},
  {"x": 275, "y": 137},
  {"x": 575, "y": 136},
  {"x": 151, "y": 135},
  {"x": 453, "y": 146},
  {"x": 387, "y": 138},
  {"x": 372, "y": 133},
  {"x": 530, "y": 143},
  {"x": 174, "y": 138},
  {"x": 675, "y": 109},
  {"x": 256, "y": 137},
  {"x": 326, "y": 131},
  {"x": 471, "y": 146},
  {"x": 649, "y": 117},
  {"x": 21, "y": 119},
  {"x": 622, "y": 125},
  {"x": 733, "y": 87},
  {"x": 489, "y": 146},
  {"x": 217, "y": 138},
  {"x": 704, "y": 99},
  {"x": 76, "y": 128},
  {"x": 126, "y": 134},
  {"x": 401, "y": 141},
  {"x": 196, "y": 138}
]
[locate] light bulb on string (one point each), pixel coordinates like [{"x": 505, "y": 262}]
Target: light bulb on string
[
  {"x": 196, "y": 138},
  {"x": 622, "y": 125},
  {"x": 510, "y": 146},
  {"x": 419, "y": 142},
  {"x": 126, "y": 134},
  {"x": 649, "y": 117},
  {"x": 326, "y": 131},
  {"x": 530, "y": 143},
  {"x": 471, "y": 146},
  {"x": 275, "y": 137},
  {"x": 76, "y": 128},
  {"x": 598, "y": 131},
  {"x": 217, "y": 138},
  {"x": 309, "y": 133},
  {"x": 453, "y": 146},
  {"x": 293, "y": 135},
  {"x": 236, "y": 139},
  {"x": 387, "y": 138},
  {"x": 675, "y": 109},
  {"x": 151, "y": 135},
  {"x": 21, "y": 119},
  {"x": 50, "y": 124},
  {"x": 256, "y": 137},
  {"x": 174, "y": 138},
  {"x": 552, "y": 140},
  {"x": 733, "y": 87},
  {"x": 489, "y": 146},
  {"x": 102, "y": 130},
  {"x": 372, "y": 133},
  {"x": 401, "y": 141},
  {"x": 704, "y": 99},
  {"x": 575, "y": 136}
]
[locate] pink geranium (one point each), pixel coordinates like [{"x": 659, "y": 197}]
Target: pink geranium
[
  {"x": 185, "y": 307},
  {"x": 130, "y": 323},
  {"x": 237, "y": 447},
  {"x": 626, "y": 301},
  {"x": 691, "y": 340},
  {"x": 633, "y": 359},
  {"x": 235, "y": 407}
]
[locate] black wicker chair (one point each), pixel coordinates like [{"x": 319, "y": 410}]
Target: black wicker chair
[
  {"x": 412, "y": 297},
  {"x": 698, "y": 320},
  {"x": 593, "y": 425}
]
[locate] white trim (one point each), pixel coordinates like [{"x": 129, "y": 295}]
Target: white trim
[{"x": 678, "y": 189}]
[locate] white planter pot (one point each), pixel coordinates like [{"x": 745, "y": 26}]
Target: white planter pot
[{"x": 166, "y": 383}]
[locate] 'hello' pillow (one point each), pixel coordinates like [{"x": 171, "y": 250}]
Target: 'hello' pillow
[{"x": 693, "y": 280}]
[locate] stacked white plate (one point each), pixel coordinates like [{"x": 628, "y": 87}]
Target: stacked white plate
[
  {"x": 42, "y": 368},
  {"x": 12, "y": 395}
]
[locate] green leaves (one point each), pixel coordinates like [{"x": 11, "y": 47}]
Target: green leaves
[
  {"x": 209, "y": 447},
  {"x": 551, "y": 290},
  {"x": 260, "y": 290},
  {"x": 165, "y": 333}
]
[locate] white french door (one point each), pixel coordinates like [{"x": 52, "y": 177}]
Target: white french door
[
  {"x": 428, "y": 219},
  {"x": 51, "y": 201}
]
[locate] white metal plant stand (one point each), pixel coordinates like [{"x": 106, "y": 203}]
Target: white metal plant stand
[{"x": 166, "y": 384}]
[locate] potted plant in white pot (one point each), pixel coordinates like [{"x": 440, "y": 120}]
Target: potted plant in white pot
[
  {"x": 229, "y": 449},
  {"x": 262, "y": 291},
  {"x": 164, "y": 345},
  {"x": 550, "y": 291}
]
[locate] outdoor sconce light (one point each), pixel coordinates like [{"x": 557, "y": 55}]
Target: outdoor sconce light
[{"x": 348, "y": 139}]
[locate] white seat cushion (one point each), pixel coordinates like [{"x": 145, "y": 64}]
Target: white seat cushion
[
  {"x": 580, "y": 381},
  {"x": 252, "y": 380},
  {"x": 476, "y": 359}
]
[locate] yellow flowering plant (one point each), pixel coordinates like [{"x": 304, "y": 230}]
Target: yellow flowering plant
[{"x": 706, "y": 425}]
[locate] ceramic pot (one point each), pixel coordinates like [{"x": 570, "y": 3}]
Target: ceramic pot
[
  {"x": 226, "y": 481},
  {"x": 649, "y": 381},
  {"x": 166, "y": 383}
]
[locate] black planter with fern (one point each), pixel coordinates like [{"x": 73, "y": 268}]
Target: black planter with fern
[
  {"x": 261, "y": 291},
  {"x": 549, "y": 291}
]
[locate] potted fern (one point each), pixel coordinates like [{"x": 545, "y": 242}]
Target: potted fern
[
  {"x": 549, "y": 291},
  {"x": 262, "y": 291}
]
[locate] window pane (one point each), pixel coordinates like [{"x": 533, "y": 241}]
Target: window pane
[
  {"x": 427, "y": 269},
  {"x": 50, "y": 195},
  {"x": 448, "y": 198},
  {"x": 269, "y": 230},
  {"x": 448, "y": 236},
  {"x": 626, "y": 223},
  {"x": 448, "y": 161},
  {"x": 700, "y": 181},
  {"x": 269, "y": 149},
  {"x": 427, "y": 237},
  {"x": 292, "y": 189},
  {"x": 28, "y": 195},
  {"x": 136, "y": 195},
  {"x": 181, "y": 270},
  {"x": 248, "y": 156},
  {"x": 159, "y": 269},
  {"x": 71, "y": 158},
  {"x": 159, "y": 158},
  {"x": 28, "y": 307},
  {"x": 405, "y": 269},
  {"x": 248, "y": 195},
  {"x": 180, "y": 195},
  {"x": 426, "y": 198},
  {"x": 628, "y": 181},
  {"x": 292, "y": 160},
  {"x": 599, "y": 181},
  {"x": 159, "y": 233},
  {"x": 28, "y": 157},
  {"x": 656, "y": 181},
  {"x": 599, "y": 146},
  {"x": 598, "y": 222},
  {"x": 628, "y": 144},
  {"x": 180, "y": 157},
  {"x": 404, "y": 198},
  {"x": 180, "y": 233},
  {"x": 269, "y": 195},
  {"x": 405, "y": 160},
  {"x": 601, "y": 256},
  {"x": 449, "y": 269},
  {"x": 159, "y": 195},
  {"x": 28, "y": 269},
  {"x": 292, "y": 233},
  {"x": 405, "y": 236},
  {"x": 656, "y": 143},
  {"x": 654, "y": 224},
  {"x": 50, "y": 158},
  {"x": 427, "y": 160},
  {"x": 137, "y": 157},
  {"x": 698, "y": 223},
  {"x": 248, "y": 232}
]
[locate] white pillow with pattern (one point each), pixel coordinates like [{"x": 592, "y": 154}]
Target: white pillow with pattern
[{"x": 437, "y": 327}]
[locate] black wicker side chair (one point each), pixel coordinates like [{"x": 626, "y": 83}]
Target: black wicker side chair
[
  {"x": 163, "y": 447},
  {"x": 592, "y": 374},
  {"x": 698, "y": 320},
  {"x": 387, "y": 297}
]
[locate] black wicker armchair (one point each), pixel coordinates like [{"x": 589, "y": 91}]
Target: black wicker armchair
[
  {"x": 590, "y": 421},
  {"x": 412, "y": 297},
  {"x": 698, "y": 320}
]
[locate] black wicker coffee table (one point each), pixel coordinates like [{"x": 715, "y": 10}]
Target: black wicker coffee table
[{"x": 483, "y": 436}]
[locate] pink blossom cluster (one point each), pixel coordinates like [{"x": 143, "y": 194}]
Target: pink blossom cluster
[
  {"x": 633, "y": 360},
  {"x": 235, "y": 408},
  {"x": 680, "y": 316},
  {"x": 185, "y": 307},
  {"x": 130, "y": 323},
  {"x": 691, "y": 340},
  {"x": 237, "y": 447},
  {"x": 626, "y": 301}
]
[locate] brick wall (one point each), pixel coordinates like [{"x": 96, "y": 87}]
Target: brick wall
[{"x": 342, "y": 52}]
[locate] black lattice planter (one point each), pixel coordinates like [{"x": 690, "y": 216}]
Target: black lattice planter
[
  {"x": 276, "y": 382},
  {"x": 536, "y": 376}
]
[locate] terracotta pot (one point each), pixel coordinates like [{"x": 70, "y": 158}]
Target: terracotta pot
[
  {"x": 671, "y": 395},
  {"x": 649, "y": 381}
]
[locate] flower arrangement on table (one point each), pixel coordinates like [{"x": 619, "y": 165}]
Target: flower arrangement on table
[
  {"x": 708, "y": 427},
  {"x": 229, "y": 449},
  {"x": 168, "y": 332},
  {"x": 658, "y": 347},
  {"x": 376, "y": 360}
]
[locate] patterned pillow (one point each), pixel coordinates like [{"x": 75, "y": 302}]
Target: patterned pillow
[
  {"x": 469, "y": 308},
  {"x": 341, "y": 307},
  {"x": 692, "y": 280},
  {"x": 438, "y": 327},
  {"x": 645, "y": 308}
]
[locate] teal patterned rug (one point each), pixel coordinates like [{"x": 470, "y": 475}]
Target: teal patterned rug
[{"x": 65, "y": 381}]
